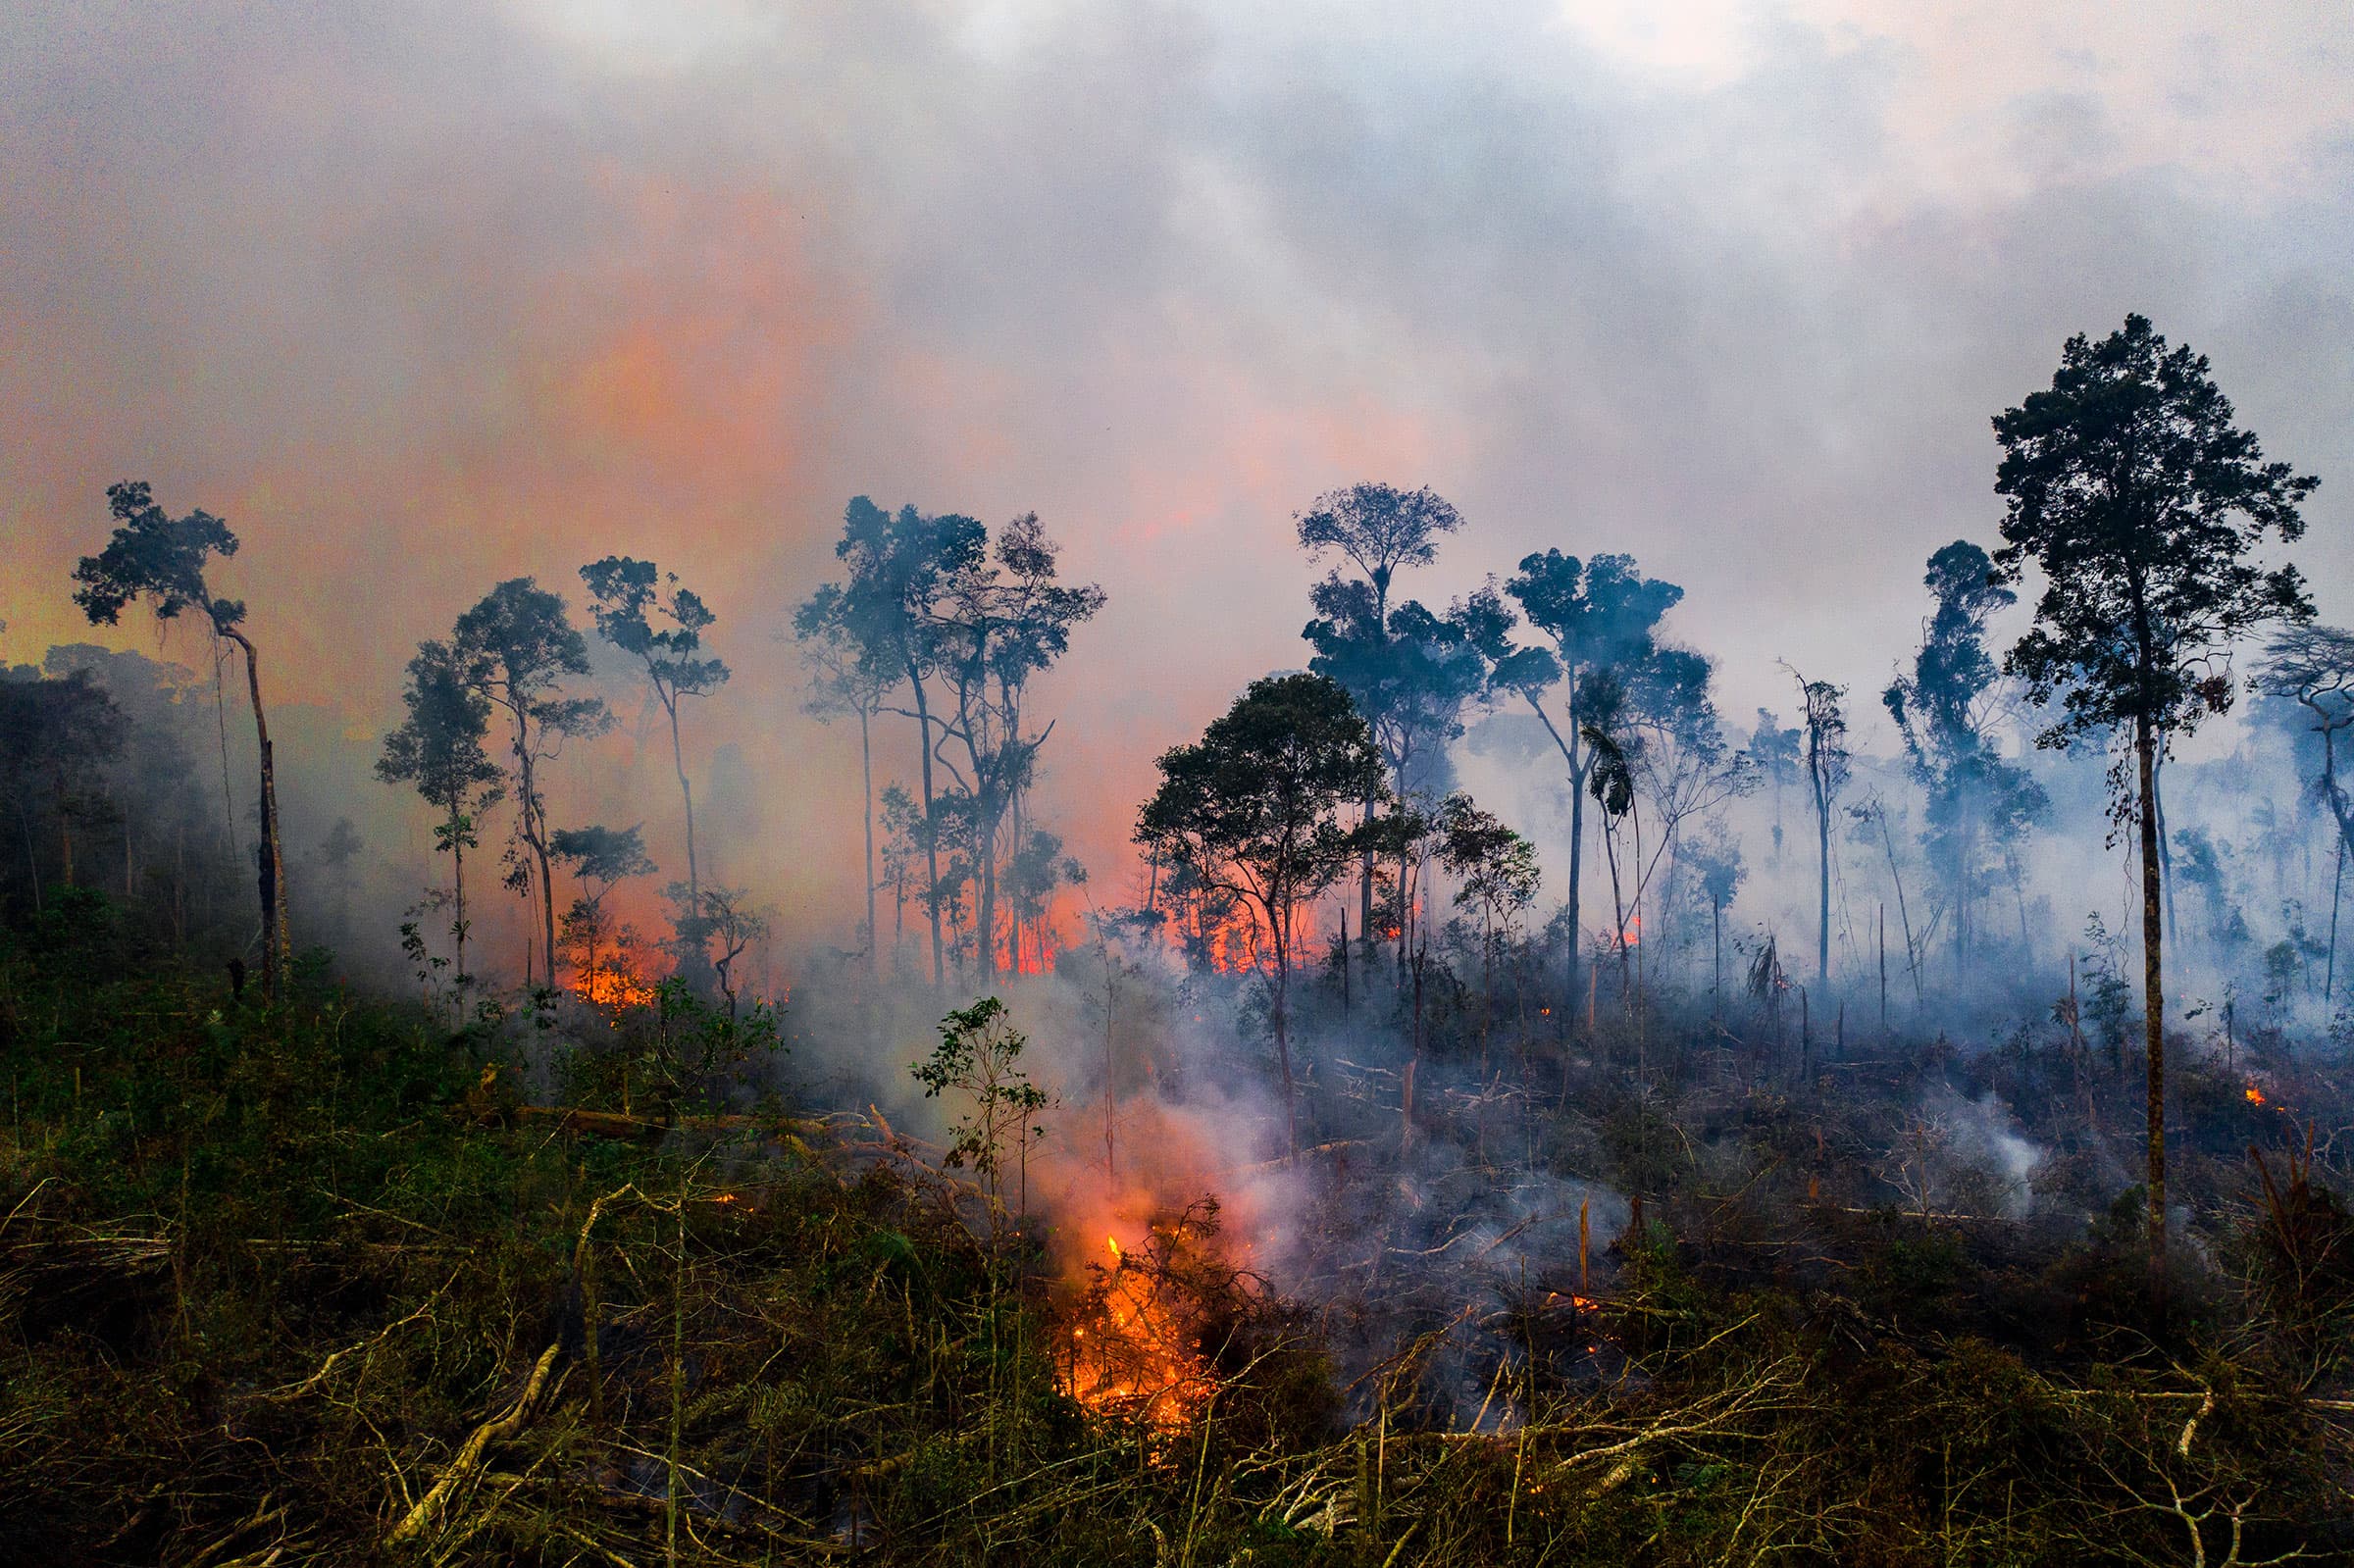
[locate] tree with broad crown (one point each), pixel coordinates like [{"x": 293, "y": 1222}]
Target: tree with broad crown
[
  {"x": 1602, "y": 618},
  {"x": 1256, "y": 808},
  {"x": 2141, "y": 503},
  {"x": 623, "y": 591},
  {"x": 161, "y": 558},
  {"x": 438, "y": 748}
]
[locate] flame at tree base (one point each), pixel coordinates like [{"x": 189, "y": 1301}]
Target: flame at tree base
[{"x": 1145, "y": 1331}]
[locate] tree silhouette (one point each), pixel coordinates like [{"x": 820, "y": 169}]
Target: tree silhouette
[
  {"x": 1004, "y": 616},
  {"x": 1822, "y": 721},
  {"x": 1944, "y": 710},
  {"x": 439, "y": 750},
  {"x": 625, "y": 596},
  {"x": 845, "y": 681},
  {"x": 1380, "y": 530},
  {"x": 2141, "y": 503},
  {"x": 1601, "y": 617},
  {"x": 899, "y": 567},
  {"x": 2314, "y": 667},
  {"x": 162, "y": 559},
  {"x": 1255, "y": 809},
  {"x": 519, "y": 648}
]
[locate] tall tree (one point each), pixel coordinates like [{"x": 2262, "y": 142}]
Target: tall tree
[
  {"x": 1003, "y": 617},
  {"x": 2142, "y": 504},
  {"x": 439, "y": 750},
  {"x": 1822, "y": 721},
  {"x": 160, "y": 558},
  {"x": 1945, "y": 711},
  {"x": 626, "y": 597},
  {"x": 1774, "y": 750},
  {"x": 519, "y": 646},
  {"x": 1601, "y": 617},
  {"x": 1379, "y": 529},
  {"x": 846, "y": 683},
  {"x": 1259, "y": 809},
  {"x": 898, "y": 566}
]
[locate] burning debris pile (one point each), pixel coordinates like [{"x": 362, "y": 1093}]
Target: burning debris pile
[{"x": 1154, "y": 1322}]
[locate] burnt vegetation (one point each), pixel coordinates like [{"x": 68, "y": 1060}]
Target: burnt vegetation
[{"x": 1467, "y": 1129}]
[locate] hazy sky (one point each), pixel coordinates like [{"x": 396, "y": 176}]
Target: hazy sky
[{"x": 422, "y": 296}]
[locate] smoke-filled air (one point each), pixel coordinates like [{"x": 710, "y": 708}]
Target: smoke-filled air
[{"x": 1183, "y": 784}]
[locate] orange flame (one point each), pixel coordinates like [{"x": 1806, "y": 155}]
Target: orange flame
[
  {"x": 611, "y": 986},
  {"x": 1140, "y": 1362},
  {"x": 2255, "y": 1096}
]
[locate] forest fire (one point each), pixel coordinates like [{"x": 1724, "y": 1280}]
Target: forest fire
[
  {"x": 1131, "y": 1347},
  {"x": 613, "y": 988},
  {"x": 2255, "y": 1095}
]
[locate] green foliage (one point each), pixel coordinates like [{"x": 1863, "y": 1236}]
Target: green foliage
[
  {"x": 155, "y": 556},
  {"x": 979, "y": 1056},
  {"x": 2129, "y": 487}
]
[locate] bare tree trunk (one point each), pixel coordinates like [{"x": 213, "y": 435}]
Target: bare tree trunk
[
  {"x": 278, "y": 948},
  {"x": 1283, "y": 1043},
  {"x": 923, "y": 725},
  {"x": 2337, "y": 884},
  {"x": 2153, "y": 1002},
  {"x": 457, "y": 856},
  {"x": 1822, "y": 842},
  {"x": 694, "y": 878},
  {"x": 866, "y": 808}
]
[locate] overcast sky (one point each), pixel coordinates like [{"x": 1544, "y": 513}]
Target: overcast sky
[{"x": 423, "y": 296}]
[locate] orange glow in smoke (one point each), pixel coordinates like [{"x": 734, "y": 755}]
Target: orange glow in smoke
[{"x": 2255, "y": 1096}]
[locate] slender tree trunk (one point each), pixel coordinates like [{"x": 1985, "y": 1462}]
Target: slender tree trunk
[
  {"x": 1577, "y": 852},
  {"x": 32, "y": 860},
  {"x": 923, "y": 725},
  {"x": 2337, "y": 884},
  {"x": 277, "y": 950},
  {"x": 1904, "y": 910},
  {"x": 2153, "y": 1002},
  {"x": 1822, "y": 842},
  {"x": 1717, "y": 958},
  {"x": 866, "y": 808},
  {"x": 457, "y": 858},
  {"x": 985, "y": 911},
  {"x": 678, "y": 763},
  {"x": 1283, "y": 1040}
]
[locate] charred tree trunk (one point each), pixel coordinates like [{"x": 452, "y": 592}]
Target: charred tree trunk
[
  {"x": 923, "y": 725},
  {"x": 2146, "y": 748},
  {"x": 866, "y": 807},
  {"x": 1276, "y": 929},
  {"x": 277, "y": 938}
]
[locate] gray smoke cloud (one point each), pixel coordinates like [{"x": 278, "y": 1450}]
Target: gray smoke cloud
[{"x": 422, "y": 296}]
